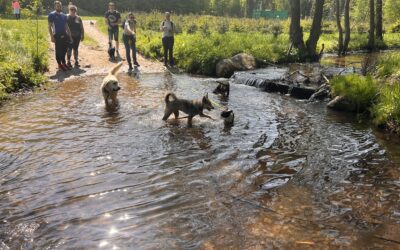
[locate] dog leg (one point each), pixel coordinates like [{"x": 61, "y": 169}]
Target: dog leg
[
  {"x": 176, "y": 113},
  {"x": 190, "y": 121},
  {"x": 207, "y": 116},
  {"x": 166, "y": 115}
]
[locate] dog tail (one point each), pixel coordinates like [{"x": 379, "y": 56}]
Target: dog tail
[
  {"x": 114, "y": 70},
  {"x": 167, "y": 97}
]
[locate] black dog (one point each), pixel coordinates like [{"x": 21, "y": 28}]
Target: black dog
[
  {"x": 223, "y": 88},
  {"x": 111, "y": 51},
  {"x": 229, "y": 117}
]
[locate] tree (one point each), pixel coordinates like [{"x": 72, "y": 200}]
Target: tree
[
  {"x": 347, "y": 30},
  {"x": 315, "y": 28},
  {"x": 249, "y": 8},
  {"x": 379, "y": 20},
  {"x": 296, "y": 31},
  {"x": 339, "y": 26},
  {"x": 371, "y": 35}
]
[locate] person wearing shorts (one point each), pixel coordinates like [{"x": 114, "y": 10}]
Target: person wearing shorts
[
  {"x": 113, "y": 19},
  {"x": 75, "y": 25}
]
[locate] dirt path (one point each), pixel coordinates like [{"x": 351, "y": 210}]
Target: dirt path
[{"x": 95, "y": 60}]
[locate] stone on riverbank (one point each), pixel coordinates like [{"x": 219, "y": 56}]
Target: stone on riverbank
[{"x": 239, "y": 62}]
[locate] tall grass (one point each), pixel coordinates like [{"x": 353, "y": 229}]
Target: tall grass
[
  {"x": 360, "y": 90},
  {"x": 389, "y": 66},
  {"x": 21, "y": 64},
  {"x": 387, "y": 110}
]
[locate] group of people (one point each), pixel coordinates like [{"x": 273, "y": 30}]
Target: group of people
[{"x": 67, "y": 31}]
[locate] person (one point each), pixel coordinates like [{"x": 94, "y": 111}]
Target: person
[
  {"x": 129, "y": 38},
  {"x": 113, "y": 19},
  {"x": 75, "y": 25},
  {"x": 60, "y": 34},
  {"x": 168, "y": 29},
  {"x": 17, "y": 9}
]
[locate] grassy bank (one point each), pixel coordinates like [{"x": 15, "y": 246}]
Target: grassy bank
[
  {"x": 21, "y": 64},
  {"x": 379, "y": 93},
  {"x": 204, "y": 40}
]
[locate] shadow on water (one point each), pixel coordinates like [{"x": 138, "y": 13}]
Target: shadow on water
[{"x": 287, "y": 174}]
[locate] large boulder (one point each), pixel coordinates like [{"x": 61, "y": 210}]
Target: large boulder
[{"x": 239, "y": 62}]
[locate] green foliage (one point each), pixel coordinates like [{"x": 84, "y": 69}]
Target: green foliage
[
  {"x": 387, "y": 110},
  {"x": 21, "y": 64},
  {"x": 389, "y": 66},
  {"x": 360, "y": 90}
]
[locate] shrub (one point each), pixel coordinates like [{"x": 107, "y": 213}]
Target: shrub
[
  {"x": 387, "y": 110},
  {"x": 389, "y": 66},
  {"x": 360, "y": 90}
]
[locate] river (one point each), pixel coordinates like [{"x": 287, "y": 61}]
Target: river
[{"x": 288, "y": 174}]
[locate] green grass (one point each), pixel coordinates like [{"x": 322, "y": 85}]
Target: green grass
[
  {"x": 389, "y": 66},
  {"x": 21, "y": 64},
  {"x": 90, "y": 42},
  {"x": 387, "y": 110},
  {"x": 360, "y": 90}
]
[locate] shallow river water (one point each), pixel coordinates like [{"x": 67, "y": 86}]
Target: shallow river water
[{"x": 288, "y": 174}]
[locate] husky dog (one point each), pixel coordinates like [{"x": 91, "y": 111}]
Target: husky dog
[
  {"x": 223, "y": 89},
  {"x": 228, "y": 116},
  {"x": 111, "y": 51},
  {"x": 190, "y": 107},
  {"x": 110, "y": 86}
]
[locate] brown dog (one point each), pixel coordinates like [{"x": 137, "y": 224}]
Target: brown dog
[
  {"x": 222, "y": 88},
  {"x": 110, "y": 87},
  {"x": 191, "y": 108}
]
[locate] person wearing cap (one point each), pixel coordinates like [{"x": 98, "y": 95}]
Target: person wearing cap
[
  {"x": 129, "y": 38},
  {"x": 75, "y": 25},
  {"x": 113, "y": 19},
  {"x": 60, "y": 34},
  {"x": 167, "y": 27}
]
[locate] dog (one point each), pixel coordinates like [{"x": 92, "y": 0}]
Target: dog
[
  {"x": 222, "y": 88},
  {"x": 111, "y": 51},
  {"x": 229, "y": 117},
  {"x": 110, "y": 86},
  {"x": 190, "y": 107},
  {"x": 135, "y": 73},
  {"x": 91, "y": 23}
]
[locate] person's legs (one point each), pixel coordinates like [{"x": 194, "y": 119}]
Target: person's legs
[
  {"x": 133, "y": 45},
  {"x": 76, "y": 50},
  {"x": 171, "y": 51},
  {"x": 64, "y": 47},
  {"x": 125, "y": 39},
  {"x": 165, "y": 47},
  {"x": 116, "y": 38},
  {"x": 58, "y": 48},
  {"x": 110, "y": 36}
]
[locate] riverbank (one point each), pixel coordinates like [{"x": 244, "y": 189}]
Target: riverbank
[
  {"x": 202, "y": 41},
  {"x": 22, "y": 60}
]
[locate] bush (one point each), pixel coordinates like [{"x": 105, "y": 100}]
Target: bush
[
  {"x": 360, "y": 90},
  {"x": 21, "y": 63},
  {"x": 389, "y": 66},
  {"x": 387, "y": 110}
]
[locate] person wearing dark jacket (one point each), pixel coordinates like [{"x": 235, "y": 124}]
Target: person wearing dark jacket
[{"x": 75, "y": 25}]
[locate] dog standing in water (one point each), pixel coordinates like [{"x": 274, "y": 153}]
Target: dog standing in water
[
  {"x": 110, "y": 86},
  {"x": 222, "y": 88},
  {"x": 111, "y": 51},
  {"x": 189, "y": 107}
]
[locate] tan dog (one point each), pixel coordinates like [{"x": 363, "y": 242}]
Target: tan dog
[
  {"x": 191, "y": 108},
  {"x": 110, "y": 87}
]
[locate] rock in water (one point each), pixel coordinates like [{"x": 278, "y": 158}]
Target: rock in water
[
  {"x": 239, "y": 62},
  {"x": 341, "y": 103}
]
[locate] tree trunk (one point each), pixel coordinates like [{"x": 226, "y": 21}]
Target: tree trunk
[
  {"x": 379, "y": 17},
  {"x": 346, "y": 26},
  {"x": 315, "y": 29},
  {"x": 371, "y": 36},
  {"x": 249, "y": 8},
  {"x": 339, "y": 26},
  {"x": 296, "y": 31}
]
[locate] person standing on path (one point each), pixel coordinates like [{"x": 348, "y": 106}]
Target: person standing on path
[
  {"x": 75, "y": 25},
  {"x": 168, "y": 29},
  {"x": 113, "y": 19},
  {"x": 60, "y": 34},
  {"x": 129, "y": 38},
  {"x": 17, "y": 9}
]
